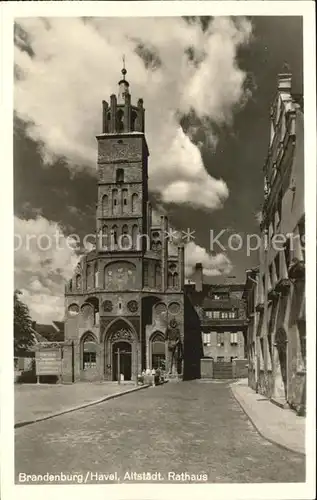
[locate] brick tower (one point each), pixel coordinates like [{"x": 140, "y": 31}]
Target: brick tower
[{"x": 124, "y": 306}]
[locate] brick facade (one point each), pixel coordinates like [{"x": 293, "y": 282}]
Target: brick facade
[{"x": 128, "y": 293}]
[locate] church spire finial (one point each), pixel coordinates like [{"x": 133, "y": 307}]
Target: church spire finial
[{"x": 123, "y": 71}]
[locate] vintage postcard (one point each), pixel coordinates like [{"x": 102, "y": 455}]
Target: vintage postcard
[{"x": 160, "y": 328}]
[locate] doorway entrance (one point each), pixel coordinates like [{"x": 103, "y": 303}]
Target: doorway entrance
[
  {"x": 122, "y": 360},
  {"x": 157, "y": 351}
]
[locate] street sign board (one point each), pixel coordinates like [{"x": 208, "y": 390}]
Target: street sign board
[{"x": 48, "y": 362}]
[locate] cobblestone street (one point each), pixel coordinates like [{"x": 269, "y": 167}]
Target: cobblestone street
[{"x": 192, "y": 427}]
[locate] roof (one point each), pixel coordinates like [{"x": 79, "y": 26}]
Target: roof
[
  {"x": 38, "y": 337},
  {"x": 59, "y": 325},
  {"x": 50, "y": 332},
  {"x": 209, "y": 303}
]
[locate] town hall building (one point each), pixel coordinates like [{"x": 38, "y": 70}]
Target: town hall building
[{"x": 125, "y": 308}]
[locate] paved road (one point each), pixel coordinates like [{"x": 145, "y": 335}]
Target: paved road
[{"x": 192, "y": 427}]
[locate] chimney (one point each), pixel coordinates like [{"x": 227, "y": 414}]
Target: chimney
[
  {"x": 198, "y": 277},
  {"x": 284, "y": 83}
]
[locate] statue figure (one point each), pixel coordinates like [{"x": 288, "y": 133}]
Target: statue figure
[{"x": 174, "y": 346}]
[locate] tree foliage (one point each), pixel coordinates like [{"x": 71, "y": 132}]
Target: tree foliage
[{"x": 23, "y": 337}]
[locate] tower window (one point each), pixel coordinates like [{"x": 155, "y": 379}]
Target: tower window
[
  {"x": 120, "y": 175},
  {"x": 120, "y": 125},
  {"x": 133, "y": 120}
]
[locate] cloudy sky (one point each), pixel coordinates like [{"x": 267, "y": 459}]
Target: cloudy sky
[{"x": 207, "y": 85}]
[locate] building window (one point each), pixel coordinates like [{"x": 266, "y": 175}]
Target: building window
[
  {"x": 105, "y": 204},
  {"x": 158, "y": 275},
  {"x": 78, "y": 281},
  {"x": 207, "y": 339},
  {"x": 233, "y": 338},
  {"x": 89, "y": 347},
  {"x": 114, "y": 235},
  {"x": 224, "y": 314},
  {"x": 120, "y": 175},
  {"x": 220, "y": 340},
  {"x": 220, "y": 359},
  {"x": 125, "y": 200},
  {"x": 216, "y": 314},
  {"x": 135, "y": 202},
  {"x": 232, "y": 314}
]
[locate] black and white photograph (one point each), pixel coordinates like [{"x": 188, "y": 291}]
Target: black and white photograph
[{"x": 161, "y": 320}]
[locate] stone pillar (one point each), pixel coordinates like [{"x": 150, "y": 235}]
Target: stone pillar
[
  {"x": 104, "y": 117},
  {"x": 113, "y": 109},
  {"x": 127, "y": 112}
]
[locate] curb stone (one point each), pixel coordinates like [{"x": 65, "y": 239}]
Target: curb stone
[
  {"x": 79, "y": 407},
  {"x": 272, "y": 441}
]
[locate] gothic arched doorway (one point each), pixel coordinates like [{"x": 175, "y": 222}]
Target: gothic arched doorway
[
  {"x": 157, "y": 349},
  {"x": 121, "y": 335},
  {"x": 122, "y": 360}
]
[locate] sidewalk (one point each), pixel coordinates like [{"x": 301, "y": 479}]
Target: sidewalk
[
  {"x": 34, "y": 402},
  {"x": 277, "y": 425}
]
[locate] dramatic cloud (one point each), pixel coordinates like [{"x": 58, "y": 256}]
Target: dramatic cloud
[
  {"x": 44, "y": 259},
  {"x": 75, "y": 63},
  {"x": 213, "y": 265}
]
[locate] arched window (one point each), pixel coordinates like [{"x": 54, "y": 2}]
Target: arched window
[
  {"x": 170, "y": 280},
  {"x": 120, "y": 124},
  {"x": 115, "y": 201},
  {"x": 158, "y": 351},
  {"x": 135, "y": 202},
  {"x": 158, "y": 276},
  {"x": 133, "y": 120},
  {"x": 119, "y": 175},
  {"x": 175, "y": 280},
  {"x": 125, "y": 207},
  {"x": 135, "y": 239},
  {"x": 105, "y": 205},
  {"x": 89, "y": 349},
  {"x": 89, "y": 276},
  {"x": 78, "y": 282},
  {"x": 125, "y": 240},
  {"x": 114, "y": 236},
  {"x": 105, "y": 237},
  {"x": 96, "y": 276}
]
